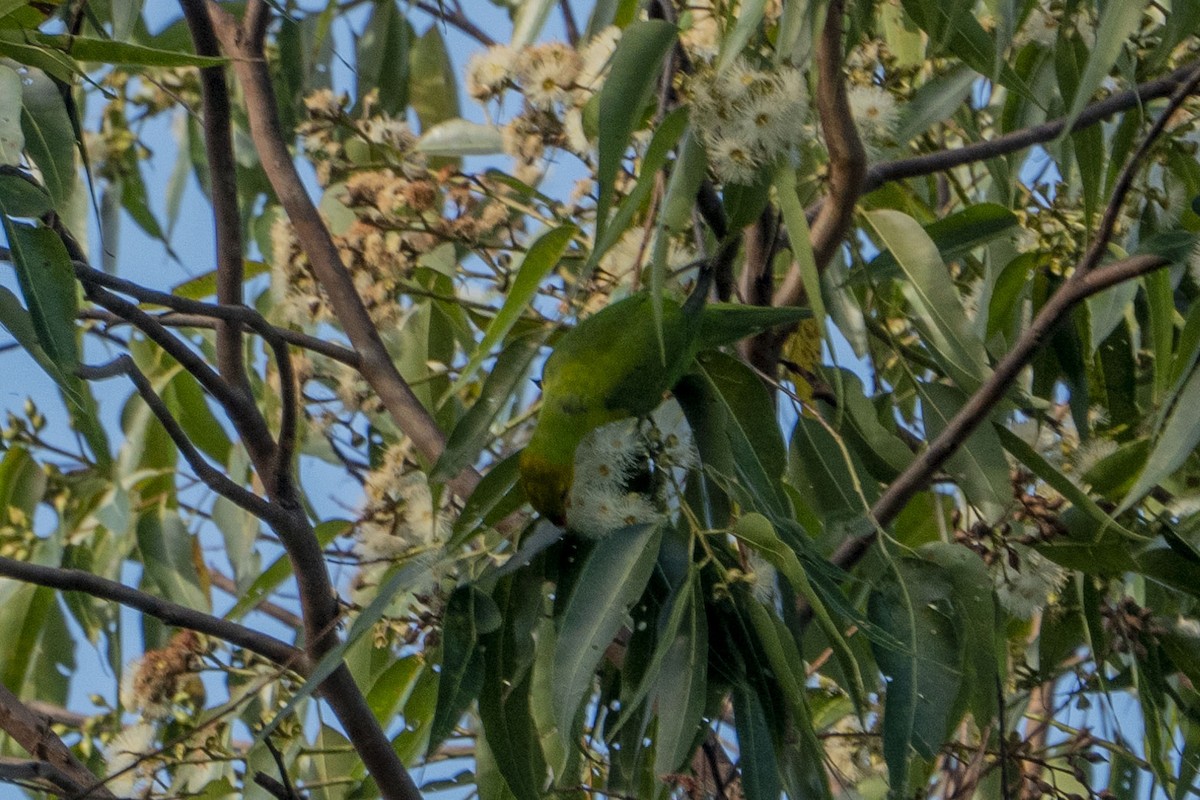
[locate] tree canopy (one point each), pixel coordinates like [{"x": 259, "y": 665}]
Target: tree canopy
[{"x": 918, "y": 516}]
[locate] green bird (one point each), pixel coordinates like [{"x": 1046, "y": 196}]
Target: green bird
[{"x": 614, "y": 365}]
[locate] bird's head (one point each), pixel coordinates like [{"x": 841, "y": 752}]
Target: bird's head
[{"x": 547, "y": 483}]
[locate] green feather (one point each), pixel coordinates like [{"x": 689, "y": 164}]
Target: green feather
[{"x": 617, "y": 363}]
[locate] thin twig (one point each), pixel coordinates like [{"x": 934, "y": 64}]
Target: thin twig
[
  {"x": 1008, "y": 143},
  {"x": 458, "y": 20},
  {"x": 572, "y": 28},
  {"x": 175, "y": 319},
  {"x": 212, "y": 477},
  {"x": 77, "y": 580}
]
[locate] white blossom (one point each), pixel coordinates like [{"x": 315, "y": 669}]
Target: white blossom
[
  {"x": 874, "y": 110},
  {"x": 546, "y": 73},
  {"x": 126, "y": 755},
  {"x": 489, "y": 72}
]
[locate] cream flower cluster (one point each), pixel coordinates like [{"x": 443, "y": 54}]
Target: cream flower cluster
[
  {"x": 746, "y": 117},
  {"x": 557, "y": 82},
  {"x": 398, "y": 515},
  {"x": 612, "y": 456}
]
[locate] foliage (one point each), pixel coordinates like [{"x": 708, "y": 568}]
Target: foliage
[{"x": 939, "y": 539}]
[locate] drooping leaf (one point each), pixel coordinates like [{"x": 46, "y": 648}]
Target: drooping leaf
[
  {"x": 631, "y": 80},
  {"x": 611, "y": 579}
]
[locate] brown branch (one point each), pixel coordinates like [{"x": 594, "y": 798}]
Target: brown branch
[
  {"x": 1011, "y": 142},
  {"x": 242, "y": 411},
  {"x": 569, "y": 24},
  {"x": 212, "y": 477},
  {"x": 40, "y": 775},
  {"x": 458, "y": 20},
  {"x": 33, "y": 734},
  {"x": 376, "y": 365},
  {"x": 222, "y": 174},
  {"x": 1086, "y": 279},
  {"x": 77, "y": 580},
  {"x": 847, "y": 158},
  {"x": 279, "y": 613},
  {"x": 175, "y": 319},
  {"x": 276, "y": 459}
]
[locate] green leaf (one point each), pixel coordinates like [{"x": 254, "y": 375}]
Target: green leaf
[
  {"x": 750, "y": 15},
  {"x": 1020, "y": 450},
  {"x": 108, "y": 51},
  {"x": 469, "y": 614},
  {"x": 49, "y": 137},
  {"x": 530, "y": 18},
  {"x": 931, "y": 294},
  {"x": 611, "y": 579},
  {"x": 473, "y": 431},
  {"x": 787, "y": 666},
  {"x": 205, "y": 284},
  {"x": 169, "y": 553},
  {"x": 21, "y": 198},
  {"x": 978, "y": 466},
  {"x": 541, "y": 257},
  {"x": 977, "y": 623},
  {"x": 666, "y": 136},
  {"x": 1117, "y": 24},
  {"x": 758, "y": 453},
  {"x": 953, "y": 236},
  {"x": 383, "y": 62},
  {"x": 47, "y": 281},
  {"x": 434, "y": 85},
  {"x": 460, "y": 137},
  {"x": 496, "y": 496},
  {"x": 934, "y": 102},
  {"x": 505, "y": 712},
  {"x": 12, "y": 138},
  {"x": 723, "y": 324},
  {"x": 632, "y": 77},
  {"x": 1176, "y": 441},
  {"x": 924, "y": 676},
  {"x": 760, "y": 771},
  {"x": 758, "y": 532},
  {"x": 682, "y": 687}
]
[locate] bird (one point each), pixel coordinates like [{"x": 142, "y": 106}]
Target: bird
[{"x": 620, "y": 363}]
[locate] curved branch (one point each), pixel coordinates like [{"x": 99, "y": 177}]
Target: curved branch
[
  {"x": 376, "y": 364},
  {"x": 176, "y": 319},
  {"x": 77, "y": 580},
  {"x": 1011, "y": 142},
  {"x": 847, "y": 157},
  {"x": 212, "y": 477}
]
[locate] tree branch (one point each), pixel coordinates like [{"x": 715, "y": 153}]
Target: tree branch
[
  {"x": 1084, "y": 281},
  {"x": 847, "y": 158},
  {"x": 212, "y": 477},
  {"x": 175, "y": 319},
  {"x": 77, "y": 580},
  {"x": 458, "y": 20},
  {"x": 222, "y": 172},
  {"x": 33, "y": 734},
  {"x": 943, "y": 160},
  {"x": 376, "y": 364},
  {"x": 569, "y": 24}
]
